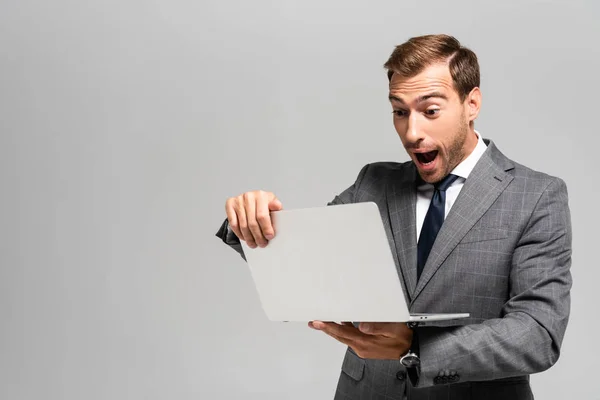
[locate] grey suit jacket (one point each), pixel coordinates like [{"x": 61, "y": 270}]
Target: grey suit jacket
[{"x": 503, "y": 255}]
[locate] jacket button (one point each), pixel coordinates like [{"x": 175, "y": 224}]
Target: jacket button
[{"x": 401, "y": 375}]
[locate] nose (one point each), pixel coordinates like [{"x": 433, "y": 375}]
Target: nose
[{"x": 413, "y": 132}]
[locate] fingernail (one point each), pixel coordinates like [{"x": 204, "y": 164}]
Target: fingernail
[
  {"x": 317, "y": 325},
  {"x": 269, "y": 236}
]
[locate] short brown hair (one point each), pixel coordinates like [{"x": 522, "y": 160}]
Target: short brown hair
[{"x": 413, "y": 56}]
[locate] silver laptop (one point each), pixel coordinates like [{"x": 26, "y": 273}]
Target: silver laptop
[{"x": 331, "y": 263}]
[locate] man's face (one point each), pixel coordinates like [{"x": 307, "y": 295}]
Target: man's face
[{"x": 432, "y": 122}]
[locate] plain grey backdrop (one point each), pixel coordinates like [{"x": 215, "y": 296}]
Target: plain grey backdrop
[{"x": 125, "y": 125}]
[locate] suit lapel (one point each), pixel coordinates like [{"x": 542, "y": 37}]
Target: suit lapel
[
  {"x": 485, "y": 183},
  {"x": 401, "y": 198}
]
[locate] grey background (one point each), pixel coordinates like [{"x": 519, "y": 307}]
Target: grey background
[{"x": 126, "y": 124}]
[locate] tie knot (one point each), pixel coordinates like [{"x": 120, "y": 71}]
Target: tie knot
[{"x": 445, "y": 183}]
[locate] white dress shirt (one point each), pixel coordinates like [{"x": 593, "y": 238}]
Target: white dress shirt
[{"x": 462, "y": 170}]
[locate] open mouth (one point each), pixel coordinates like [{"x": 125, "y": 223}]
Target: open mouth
[{"x": 426, "y": 158}]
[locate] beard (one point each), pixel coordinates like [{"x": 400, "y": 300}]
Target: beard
[
  {"x": 455, "y": 153},
  {"x": 456, "y": 150}
]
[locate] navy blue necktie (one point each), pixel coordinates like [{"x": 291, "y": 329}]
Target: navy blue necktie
[{"x": 433, "y": 221}]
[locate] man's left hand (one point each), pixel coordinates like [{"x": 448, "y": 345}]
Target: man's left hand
[{"x": 377, "y": 340}]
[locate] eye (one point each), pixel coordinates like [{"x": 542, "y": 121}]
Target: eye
[
  {"x": 432, "y": 111},
  {"x": 399, "y": 113}
]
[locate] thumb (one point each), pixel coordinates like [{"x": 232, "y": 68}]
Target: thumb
[{"x": 275, "y": 205}]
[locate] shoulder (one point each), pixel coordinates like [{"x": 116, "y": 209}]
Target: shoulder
[
  {"x": 536, "y": 198},
  {"x": 526, "y": 180},
  {"x": 384, "y": 169},
  {"x": 536, "y": 182},
  {"x": 541, "y": 200},
  {"x": 373, "y": 179}
]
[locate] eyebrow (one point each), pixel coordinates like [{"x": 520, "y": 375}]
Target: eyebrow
[{"x": 422, "y": 98}]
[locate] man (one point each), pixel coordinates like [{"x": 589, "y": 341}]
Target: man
[{"x": 503, "y": 252}]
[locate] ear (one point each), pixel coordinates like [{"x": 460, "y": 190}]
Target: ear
[{"x": 473, "y": 104}]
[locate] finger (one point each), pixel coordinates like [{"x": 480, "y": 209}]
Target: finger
[
  {"x": 250, "y": 206},
  {"x": 243, "y": 223},
  {"x": 343, "y": 331},
  {"x": 232, "y": 218},
  {"x": 374, "y": 328},
  {"x": 275, "y": 204},
  {"x": 387, "y": 329},
  {"x": 341, "y": 339},
  {"x": 263, "y": 217}
]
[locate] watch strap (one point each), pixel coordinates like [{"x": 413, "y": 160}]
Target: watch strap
[{"x": 414, "y": 373}]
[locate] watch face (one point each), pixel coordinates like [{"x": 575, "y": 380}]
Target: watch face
[{"x": 410, "y": 360}]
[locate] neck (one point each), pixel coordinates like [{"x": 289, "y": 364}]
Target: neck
[{"x": 470, "y": 143}]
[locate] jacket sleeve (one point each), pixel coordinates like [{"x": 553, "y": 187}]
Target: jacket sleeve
[
  {"x": 229, "y": 238},
  {"x": 347, "y": 196},
  {"x": 528, "y": 337}
]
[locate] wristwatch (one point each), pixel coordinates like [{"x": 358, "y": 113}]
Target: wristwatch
[{"x": 411, "y": 360}]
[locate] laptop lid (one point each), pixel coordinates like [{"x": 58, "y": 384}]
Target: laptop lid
[{"x": 330, "y": 263}]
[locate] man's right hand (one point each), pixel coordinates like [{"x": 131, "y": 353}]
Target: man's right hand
[{"x": 249, "y": 216}]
